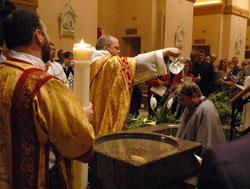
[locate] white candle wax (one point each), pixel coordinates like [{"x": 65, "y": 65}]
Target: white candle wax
[
  {"x": 82, "y": 57},
  {"x": 82, "y": 51},
  {"x": 81, "y": 81}
]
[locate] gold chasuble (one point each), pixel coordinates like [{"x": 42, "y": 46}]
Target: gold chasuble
[
  {"x": 111, "y": 87},
  {"x": 37, "y": 114}
]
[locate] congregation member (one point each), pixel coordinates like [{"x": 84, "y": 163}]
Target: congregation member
[
  {"x": 36, "y": 115},
  {"x": 236, "y": 69},
  {"x": 186, "y": 74},
  {"x": 245, "y": 73},
  {"x": 213, "y": 58},
  {"x": 200, "y": 121},
  {"x": 227, "y": 80},
  {"x": 221, "y": 75},
  {"x": 55, "y": 68},
  {"x": 193, "y": 57},
  {"x": 204, "y": 74},
  {"x": 207, "y": 59},
  {"x": 60, "y": 54},
  {"x": 112, "y": 79},
  {"x": 230, "y": 80},
  {"x": 68, "y": 67},
  {"x": 244, "y": 63}
]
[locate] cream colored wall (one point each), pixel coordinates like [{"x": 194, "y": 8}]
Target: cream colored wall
[
  {"x": 117, "y": 16},
  {"x": 108, "y": 16},
  {"x": 209, "y": 27},
  {"x": 243, "y": 4},
  {"x": 86, "y": 25},
  {"x": 179, "y": 13},
  {"x": 136, "y": 14},
  {"x": 158, "y": 15},
  {"x": 234, "y": 27},
  {"x": 148, "y": 17}
]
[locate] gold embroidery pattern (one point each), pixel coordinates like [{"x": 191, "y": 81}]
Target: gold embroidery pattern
[{"x": 25, "y": 142}]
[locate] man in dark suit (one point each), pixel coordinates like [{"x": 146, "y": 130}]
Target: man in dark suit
[
  {"x": 204, "y": 74},
  {"x": 226, "y": 166}
]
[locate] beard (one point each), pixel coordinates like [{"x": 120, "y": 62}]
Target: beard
[{"x": 46, "y": 51}]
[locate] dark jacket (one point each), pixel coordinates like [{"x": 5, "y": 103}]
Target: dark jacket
[{"x": 206, "y": 72}]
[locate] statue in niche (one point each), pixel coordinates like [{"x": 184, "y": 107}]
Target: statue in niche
[
  {"x": 67, "y": 22},
  {"x": 179, "y": 37},
  {"x": 238, "y": 45}
]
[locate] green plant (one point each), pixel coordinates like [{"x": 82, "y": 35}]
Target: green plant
[
  {"x": 160, "y": 117},
  {"x": 221, "y": 102},
  {"x": 164, "y": 117},
  {"x": 136, "y": 122}
]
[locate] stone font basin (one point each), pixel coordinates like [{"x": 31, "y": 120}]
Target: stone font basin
[
  {"x": 142, "y": 160},
  {"x": 136, "y": 148}
]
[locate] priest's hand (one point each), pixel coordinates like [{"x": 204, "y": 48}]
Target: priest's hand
[
  {"x": 89, "y": 112},
  {"x": 171, "y": 51}
]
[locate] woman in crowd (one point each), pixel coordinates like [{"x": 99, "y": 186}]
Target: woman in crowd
[
  {"x": 68, "y": 67},
  {"x": 223, "y": 65},
  {"x": 222, "y": 73},
  {"x": 188, "y": 76},
  {"x": 226, "y": 80}
]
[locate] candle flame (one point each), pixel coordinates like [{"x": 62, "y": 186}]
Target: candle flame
[{"x": 82, "y": 45}]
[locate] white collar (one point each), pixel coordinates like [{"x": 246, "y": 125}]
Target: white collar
[
  {"x": 97, "y": 54},
  {"x": 28, "y": 58}
]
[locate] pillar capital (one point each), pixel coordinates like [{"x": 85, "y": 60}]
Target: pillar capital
[
  {"x": 230, "y": 9},
  {"x": 220, "y": 9}
]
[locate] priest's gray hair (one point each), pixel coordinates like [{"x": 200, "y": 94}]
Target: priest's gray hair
[
  {"x": 105, "y": 40},
  {"x": 189, "y": 88}
]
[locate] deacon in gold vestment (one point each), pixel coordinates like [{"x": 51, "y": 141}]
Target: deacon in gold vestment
[
  {"x": 37, "y": 112},
  {"x": 112, "y": 79}
]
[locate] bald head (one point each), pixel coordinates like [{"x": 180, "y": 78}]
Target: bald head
[{"x": 108, "y": 43}]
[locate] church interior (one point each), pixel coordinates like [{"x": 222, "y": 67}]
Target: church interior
[{"x": 219, "y": 27}]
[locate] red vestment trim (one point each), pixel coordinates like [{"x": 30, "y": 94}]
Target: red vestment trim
[
  {"x": 25, "y": 143},
  {"x": 127, "y": 73}
]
